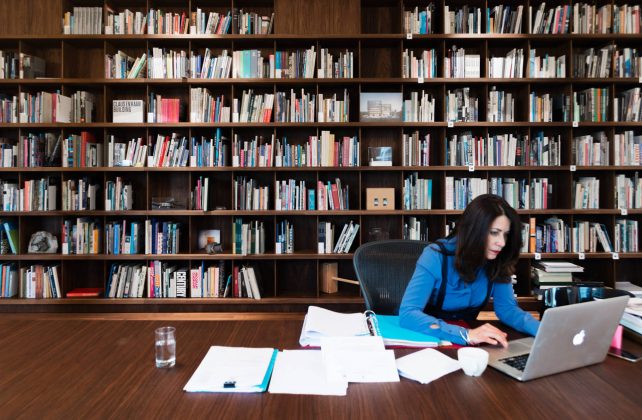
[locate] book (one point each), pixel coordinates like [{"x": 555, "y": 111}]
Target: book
[
  {"x": 559, "y": 267},
  {"x": 12, "y": 236},
  {"x": 128, "y": 111},
  {"x": 320, "y": 322},
  {"x": 85, "y": 292}
]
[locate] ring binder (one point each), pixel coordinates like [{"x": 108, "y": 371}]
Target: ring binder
[
  {"x": 373, "y": 324},
  {"x": 320, "y": 322}
]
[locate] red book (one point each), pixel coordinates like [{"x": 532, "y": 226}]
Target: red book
[{"x": 85, "y": 292}]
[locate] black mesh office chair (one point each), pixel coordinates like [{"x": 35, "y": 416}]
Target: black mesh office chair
[{"x": 384, "y": 269}]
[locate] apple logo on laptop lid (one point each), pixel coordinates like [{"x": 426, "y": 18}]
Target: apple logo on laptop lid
[{"x": 578, "y": 338}]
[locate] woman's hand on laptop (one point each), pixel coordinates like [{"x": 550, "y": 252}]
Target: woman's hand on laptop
[{"x": 487, "y": 334}]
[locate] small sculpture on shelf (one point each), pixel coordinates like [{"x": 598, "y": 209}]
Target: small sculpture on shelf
[
  {"x": 213, "y": 248},
  {"x": 43, "y": 242}
]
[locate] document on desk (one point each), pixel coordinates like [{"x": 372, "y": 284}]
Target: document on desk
[
  {"x": 358, "y": 359},
  {"x": 233, "y": 369},
  {"x": 426, "y": 365},
  {"x": 302, "y": 372}
]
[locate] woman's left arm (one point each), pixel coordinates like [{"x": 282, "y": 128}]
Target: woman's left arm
[{"x": 509, "y": 312}]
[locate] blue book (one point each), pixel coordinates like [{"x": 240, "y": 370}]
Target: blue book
[{"x": 311, "y": 199}]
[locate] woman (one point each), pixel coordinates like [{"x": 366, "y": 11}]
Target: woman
[{"x": 454, "y": 277}]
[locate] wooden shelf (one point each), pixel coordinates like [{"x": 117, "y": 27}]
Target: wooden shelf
[{"x": 290, "y": 282}]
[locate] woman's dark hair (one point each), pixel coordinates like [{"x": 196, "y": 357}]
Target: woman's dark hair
[{"x": 472, "y": 231}]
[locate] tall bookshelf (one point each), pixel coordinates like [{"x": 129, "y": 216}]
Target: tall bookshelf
[{"x": 374, "y": 31}]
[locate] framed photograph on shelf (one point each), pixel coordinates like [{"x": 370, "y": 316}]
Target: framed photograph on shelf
[
  {"x": 380, "y": 156},
  {"x": 380, "y": 106}
]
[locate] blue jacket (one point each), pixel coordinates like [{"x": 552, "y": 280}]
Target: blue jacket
[{"x": 459, "y": 295}]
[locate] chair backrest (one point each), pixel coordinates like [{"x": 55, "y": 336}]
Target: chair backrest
[{"x": 384, "y": 269}]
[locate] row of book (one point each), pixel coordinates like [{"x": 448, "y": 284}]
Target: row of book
[
  {"x": 39, "y": 150},
  {"x": 326, "y": 238},
  {"x": 503, "y": 150},
  {"x": 518, "y": 193},
  {"x": 80, "y": 194},
  {"x": 317, "y": 151},
  {"x": 82, "y": 236},
  {"x": 168, "y": 64},
  {"x": 33, "y": 281},
  {"x": 156, "y": 280},
  {"x": 461, "y": 105},
  {"x": 15, "y": 65},
  {"x": 580, "y": 18},
  {"x": 88, "y": 20},
  {"x": 35, "y": 195},
  {"x": 417, "y": 193},
  {"x": 556, "y": 235},
  {"x": 550, "y": 235},
  {"x": 47, "y": 107}
]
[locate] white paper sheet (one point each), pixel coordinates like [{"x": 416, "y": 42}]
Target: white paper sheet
[
  {"x": 426, "y": 365},
  {"x": 302, "y": 372},
  {"x": 244, "y": 367},
  {"x": 358, "y": 359}
]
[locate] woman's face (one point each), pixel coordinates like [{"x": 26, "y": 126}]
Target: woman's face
[{"x": 497, "y": 236}]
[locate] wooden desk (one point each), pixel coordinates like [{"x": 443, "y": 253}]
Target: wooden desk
[{"x": 65, "y": 368}]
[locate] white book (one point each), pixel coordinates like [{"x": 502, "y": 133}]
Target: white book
[{"x": 128, "y": 111}]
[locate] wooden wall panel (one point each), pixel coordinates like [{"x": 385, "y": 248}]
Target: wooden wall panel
[
  {"x": 30, "y": 17},
  {"x": 317, "y": 17}
]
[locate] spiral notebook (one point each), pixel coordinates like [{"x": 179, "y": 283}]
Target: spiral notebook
[{"x": 320, "y": 322}]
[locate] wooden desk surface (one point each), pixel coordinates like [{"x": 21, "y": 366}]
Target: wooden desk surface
[{"x": 62, "y": 368}]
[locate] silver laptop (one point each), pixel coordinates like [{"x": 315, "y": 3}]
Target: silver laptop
[{"x": 569, "y": 337}]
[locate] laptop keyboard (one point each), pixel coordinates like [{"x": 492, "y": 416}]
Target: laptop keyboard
[{"x": 517, "y": 362}]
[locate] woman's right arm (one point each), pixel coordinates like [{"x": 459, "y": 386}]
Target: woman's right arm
[{"x": 427, "y": 276}]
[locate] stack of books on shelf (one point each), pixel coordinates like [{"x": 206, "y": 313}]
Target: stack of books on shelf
[
  {"x": 547, "y": 66},
  {"x": 416, "y": 149},
  {"x": 248, "y": 238},
  {"x": 628, "y": 63},
  {"x": 342, "y": 68},
  {"x": 591, "y": 149},
  {"x": 284, "y": 238},
  {"x": 627, "y": 106},
  {"x": 348, "y": 233},
  {"x": 9, "y": 281},
  {"x": 465, "y": 20},
  {"x": 632, "y": 316},
  {"x": 37, "y": 281},
  {"x": 502, "y": 20},
  {"x": 415, "y": 229},
  {"x": 419, "y": 21},
  {"x": 547, "y": 274},
  {"x": 555, "y": 20}
]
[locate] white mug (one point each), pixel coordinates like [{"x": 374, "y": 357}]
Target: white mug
[{"x": 472, "y": 360}]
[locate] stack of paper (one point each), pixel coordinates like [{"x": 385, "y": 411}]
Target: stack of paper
[
  {"x": 233, "y": 369},
  {"x": 321, "y": 322},
  {"x": 426, "y": 365},
  {"x": 358, "y": 359},
  {"x": 302, "y": 372}
]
